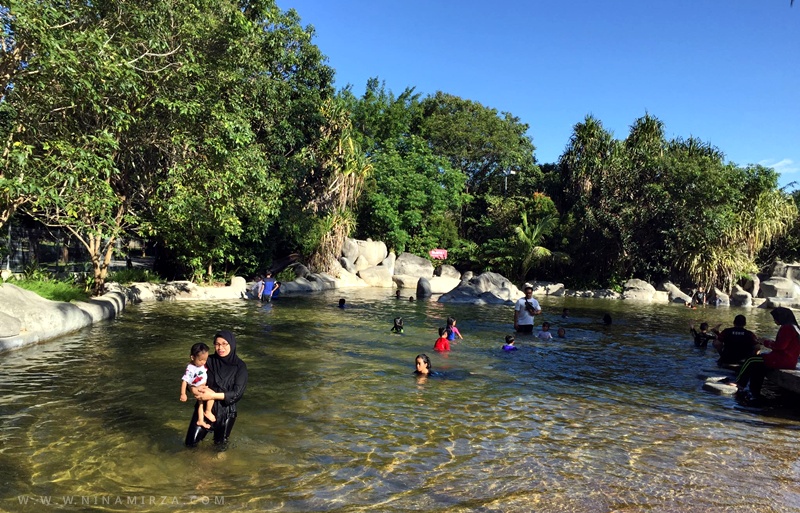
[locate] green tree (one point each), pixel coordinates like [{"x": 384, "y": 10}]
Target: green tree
[{"x": 413, "y": 198}]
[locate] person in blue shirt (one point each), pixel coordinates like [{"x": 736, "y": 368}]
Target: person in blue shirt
[{"x": 270, "y": 286}]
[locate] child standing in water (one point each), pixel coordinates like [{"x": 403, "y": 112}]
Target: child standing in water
[
  {"x": 452, "y": 331},
  {"x": 398, "y": 325},
  {"x": 545, "y": 333},
  {"x": 196, "y": 375},
  {"x": 442, "y": 344},
  {"x": 562, "y": 333}
]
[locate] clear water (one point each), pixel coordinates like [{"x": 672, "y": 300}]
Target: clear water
[{"x": 609, "y": 419}]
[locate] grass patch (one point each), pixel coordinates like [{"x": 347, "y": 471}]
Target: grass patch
[
  {"x": 54, "y": 290},
  {"x": 128, "y": 276}
]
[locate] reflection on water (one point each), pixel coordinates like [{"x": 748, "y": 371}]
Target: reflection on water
[{"x": 611, "y": 418}]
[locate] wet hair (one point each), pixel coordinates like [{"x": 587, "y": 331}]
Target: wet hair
[
  {"x": 562, "y": 331},
  {"x": 783, "y": 316},
  {"x": 425, "y": 360},
  {"x": 740, "y": 321},
  {"x": 341, "y": 302},
  {"x": 411, "y": 298},
  {"x": 703, "y": 326},
  {"x": 509, "y": 339},
  {"x": 607, "y": 319},
  {"x": 198, "y": 349},
  {"x": 545, "y": 325},
  {"x": 450, "y": 321},
  {"x": 442, "y": 331}
]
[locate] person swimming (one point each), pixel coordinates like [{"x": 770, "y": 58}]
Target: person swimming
[
  {"x": 398, "y": 325},
  {"x": 422, "y": 364}
]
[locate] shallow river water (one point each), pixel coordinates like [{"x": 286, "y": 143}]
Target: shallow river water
[{"x": 612, "y": 418}]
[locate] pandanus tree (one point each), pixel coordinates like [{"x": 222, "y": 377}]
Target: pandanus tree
[{"x": 529, "y": 236}]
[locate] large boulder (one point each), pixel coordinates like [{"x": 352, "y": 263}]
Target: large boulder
[
  {"x": 377, "y": 276},
  {"x": 778, "y": 287},
  {"x": 676, "y": 295},
  {"x": 373, "y": 251},
  {"x": 447, "y": 271},
  {"x": 720, "y": 298},
  {"x": 752, "y": 284},
  {"x": 443, "y": 284},
  {"x": 741, "y": 297},
  {"x": 487, "y": 288},
  {"x": 361, "y": 263},
  {"x": 423, "y": 288},
  {"x": 347, "y": 279},
  {"x": 347, "y": 265},
  {"x": 638, "y": 290},
  {"x": 389, "y": 262},
  {"x": 350, "y": 250},
  {"x": 313, "y": 282},
  {"x": 413, "y": 265},
  {"x": 405, "y": 281}
]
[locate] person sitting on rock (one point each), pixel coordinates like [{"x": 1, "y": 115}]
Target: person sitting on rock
[{"x": 735, "y": 344}]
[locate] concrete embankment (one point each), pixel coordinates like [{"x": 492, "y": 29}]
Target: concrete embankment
[{"x": 27, "y": 318}]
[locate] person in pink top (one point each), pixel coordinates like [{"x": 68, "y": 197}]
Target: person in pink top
[{"x": 785, "y": 351}]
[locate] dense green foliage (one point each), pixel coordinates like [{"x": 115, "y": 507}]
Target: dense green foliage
[{"x": 212, "y": 128}]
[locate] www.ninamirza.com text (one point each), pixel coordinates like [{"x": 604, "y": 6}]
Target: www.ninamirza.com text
[{"x": 119, "y": 500}]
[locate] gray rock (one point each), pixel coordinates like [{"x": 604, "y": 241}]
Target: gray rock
[
  {"x": 300, "y": 270},
  {"x": 373, "y": 251},
  {"x": 487, "y": 288},
  {"x": 676, "y": 295},
  {"x": 638, "y": 290},
  {"x": 350, "y": 250},
  {"x": 9, "y": 326},
  {"x": 389, "y": 262},
  {"x": 740, "y": 297},
  {"x": 347, "y": 265},
  {"x": 447, "y": 271},
  {"x": 467, "y": 276},
  {"x": 423, "y": 288},
  {"x": 404, "y": 281},
  {"x": 361, "y": 263},
  {"x": 413, "y": 265},
  {"x": 752, "y": 284},
  {"x": 720, "y": 298},
  {"x": 443, "y": 284},
  {"x": 778, "y": 287},
  {"x": 377, "y": 276},
  {"x": 660, "y": 296}
]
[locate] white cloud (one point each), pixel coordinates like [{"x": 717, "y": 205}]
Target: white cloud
[{"x": 784, "y": 167}]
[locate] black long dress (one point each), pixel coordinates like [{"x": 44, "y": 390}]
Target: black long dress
[{"x": 227, "y": 375}]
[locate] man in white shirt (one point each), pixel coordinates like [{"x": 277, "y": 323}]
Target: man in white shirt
[{"x": 524, "y": 311}]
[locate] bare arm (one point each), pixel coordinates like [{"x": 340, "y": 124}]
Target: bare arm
[{"x": 183, "y": 391}]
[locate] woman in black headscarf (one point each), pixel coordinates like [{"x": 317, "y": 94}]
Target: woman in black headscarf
[{"x": 227, "y": 379}]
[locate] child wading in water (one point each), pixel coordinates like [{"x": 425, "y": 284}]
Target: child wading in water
[
  {"x": 545, "y": 333},
  {"x": 196, "y": 375},
  {"x": 442, "y": 344},
  {"x": 452, "y": 331},
  {"x": 510, "y": 344}
]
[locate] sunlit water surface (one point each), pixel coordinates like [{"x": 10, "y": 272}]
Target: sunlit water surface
[{"x": 608, "y": 419}]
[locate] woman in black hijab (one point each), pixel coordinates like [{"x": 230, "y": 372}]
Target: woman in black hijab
[{"x": 227, "y": 379}]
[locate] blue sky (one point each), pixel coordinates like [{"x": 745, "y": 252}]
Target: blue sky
[{"x": 725, "y": 71}]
